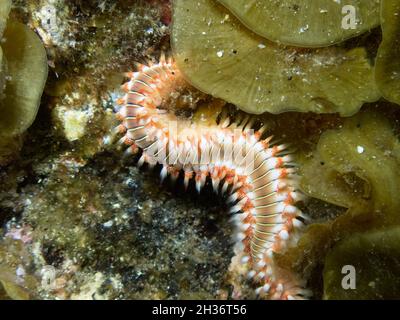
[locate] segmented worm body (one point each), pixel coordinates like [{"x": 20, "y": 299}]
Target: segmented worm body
[{"x": 258, "y": 178}]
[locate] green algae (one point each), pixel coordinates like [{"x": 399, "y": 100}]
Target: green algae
[
  {"x": 376, "y": 258},
  {"x": 353, "y": 163},
  {"x": 327, "y": 184},
  {"x": 314, "y": 23},
  {"x": 387, "y": 72},
  {"x": 13, "y": 254},
  {"x": 9, "y": 148},
  {"x": 2, "y": 75},
  {"x": 354, "y": 166},
  {"x": 367, "y": 147},
  {"x": 12, "y": 290},
  {"x": 222, "y": 58},
  {"x": 5, "y": 7},
  {"x": 27, "y": 74}
]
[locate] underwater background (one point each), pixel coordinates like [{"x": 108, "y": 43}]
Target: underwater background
[{"x": 81, "y": 221}]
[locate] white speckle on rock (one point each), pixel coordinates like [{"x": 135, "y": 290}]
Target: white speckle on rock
[
  {"x": 20, "y": 271},
  {"x": 108, "y": 224}
]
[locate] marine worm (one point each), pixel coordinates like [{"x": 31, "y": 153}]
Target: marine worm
[{"x": 258, "y": 178}]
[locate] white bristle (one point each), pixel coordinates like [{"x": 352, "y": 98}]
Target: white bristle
[
  {"x": 245, "y": 259},
  {"x": 266, "y": 287},
  {"x": 297, "y": 223},
  {"x": 141, "y": 160},
  {"x": 260, "y": 264},
  {"x": 284, "y": 235},
  {"x": 198, "y": 185},
  {"x": 239, "y": 246},
  {"x": 163, "y": 173},
  {"x": 235, "y": 208},
  {"x": 240, "y": 236},
  {"x": 224, "y": 187},
  {"x": 233, "y": 197},
  {"x": 269, "y": 253},
  {"x": 215, "y": 184}
]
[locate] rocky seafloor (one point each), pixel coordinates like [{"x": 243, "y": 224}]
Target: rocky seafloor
[
  {"x": 105, "y": 230},
  {"x": 81, "y": 221}
]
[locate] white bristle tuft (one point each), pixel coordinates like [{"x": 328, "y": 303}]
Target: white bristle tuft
[
  {"x": 232, "y": 198},
  {"x": 141, "y": 161},
  {"x": 198, "y": 186},
  {"x": 240, "y": 236},
  {"x": 266, "y": 287},
  {"x": 261, "y": 275},
  {"x": 235, "y": 209},
  {"x": 215, "y": 184},
  {"x": 260, "y": 264},
  {"x": 245, "y": 259},
  {"x": 163, "y": 173},
  {"x": 239, "y": 246},
  {"x": 284, "y": 235},
  {"x": 297, "y": 223}
]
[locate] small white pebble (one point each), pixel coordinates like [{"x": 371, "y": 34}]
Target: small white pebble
[
  {"x": 262, "y": 46},
  {"x": 360, "y": 149},
  {"x": 220, "y": 53}
]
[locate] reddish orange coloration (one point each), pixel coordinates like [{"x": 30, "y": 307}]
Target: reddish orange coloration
[{"x": 260, "y": 180}]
